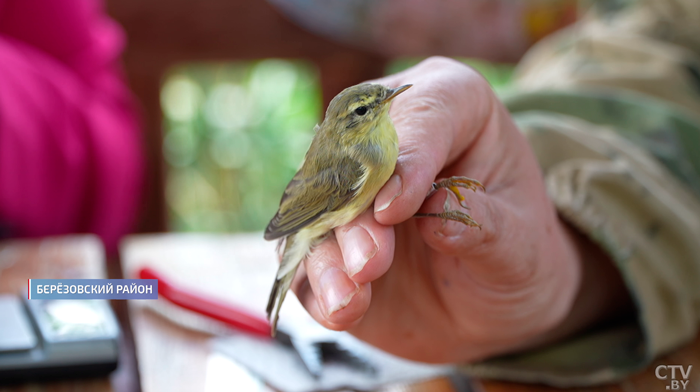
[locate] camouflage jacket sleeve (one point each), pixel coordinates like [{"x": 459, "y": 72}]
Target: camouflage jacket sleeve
[{"x": 611, "y": 107}]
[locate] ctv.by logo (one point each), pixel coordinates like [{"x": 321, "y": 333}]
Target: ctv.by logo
[{"x": 662, "y": 373}]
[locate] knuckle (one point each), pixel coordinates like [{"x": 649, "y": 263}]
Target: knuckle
[
  {"x": 442, "y": 62},
  {"x": 432, "y": 102},
  {"x": 452, "y": 67}
]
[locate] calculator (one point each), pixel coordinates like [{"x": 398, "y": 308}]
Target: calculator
[{"x": 42, "y": 339}]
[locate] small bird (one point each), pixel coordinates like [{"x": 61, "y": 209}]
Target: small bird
[{"x": 352, "y": 155}]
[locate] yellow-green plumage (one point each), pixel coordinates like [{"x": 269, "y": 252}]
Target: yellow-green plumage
[{"x": 351, "y": 157}]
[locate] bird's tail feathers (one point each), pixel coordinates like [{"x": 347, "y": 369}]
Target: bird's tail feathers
[
  {"x": 279, "y": 291},
  {"x": 295, "y": 250}
]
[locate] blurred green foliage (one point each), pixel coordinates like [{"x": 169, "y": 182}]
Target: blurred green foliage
[{"x": 235, "y": 134}]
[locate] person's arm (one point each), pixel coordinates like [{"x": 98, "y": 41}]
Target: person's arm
[
  {"x": 70, "y": 149},
  {"x": 638, "y": 213},
  {"x": 596, "y": 228},
  {"x": 610, "y": 110},
  {"x": 619, "y": 163}
]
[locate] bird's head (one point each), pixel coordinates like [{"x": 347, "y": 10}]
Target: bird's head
[{"x": 360, "y": 106}]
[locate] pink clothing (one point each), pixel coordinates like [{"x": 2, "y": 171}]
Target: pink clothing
[{"x": 70, "y": 148}]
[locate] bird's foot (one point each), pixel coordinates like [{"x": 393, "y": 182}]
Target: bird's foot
[{"x": 453, "y": 184}]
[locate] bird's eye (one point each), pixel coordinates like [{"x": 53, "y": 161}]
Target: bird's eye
[{"x": 361, "y": 111}]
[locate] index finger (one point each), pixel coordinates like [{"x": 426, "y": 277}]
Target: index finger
[{"x": 436, "y": 121}]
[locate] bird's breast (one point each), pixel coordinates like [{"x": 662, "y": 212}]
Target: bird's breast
[{"x": 378, "y": 157}]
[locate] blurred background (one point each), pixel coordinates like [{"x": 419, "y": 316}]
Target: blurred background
[
  {"x": 233, "y": 135},
  {"x": 231, "y": 92},
  {"x": 228, "y": 95}
]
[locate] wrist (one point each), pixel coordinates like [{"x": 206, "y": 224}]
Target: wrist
[{"x": 600, "y": 295}]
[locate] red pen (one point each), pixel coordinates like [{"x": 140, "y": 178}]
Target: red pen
[
  {"x": 311, "y": 355},
  {"x": 221, "y": 311}
]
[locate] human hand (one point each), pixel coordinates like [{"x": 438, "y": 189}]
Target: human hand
[{"x": 441, "y": 291}]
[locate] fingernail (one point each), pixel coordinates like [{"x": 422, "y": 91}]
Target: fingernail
[
  {"x": 336, "y": 289},
  {"x": 392, "y": 189},
  {"x": 358, "y": 248}
]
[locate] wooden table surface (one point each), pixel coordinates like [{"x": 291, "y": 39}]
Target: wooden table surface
[{"x": 173, "y": 358}]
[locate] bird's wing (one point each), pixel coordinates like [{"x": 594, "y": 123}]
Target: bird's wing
[{"x": 308, "y": 197}]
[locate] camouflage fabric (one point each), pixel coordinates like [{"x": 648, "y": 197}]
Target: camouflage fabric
[{"x": 611, "y": 107}]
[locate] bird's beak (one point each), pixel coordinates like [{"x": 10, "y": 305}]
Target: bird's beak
[{"x": 395, "y": 92}]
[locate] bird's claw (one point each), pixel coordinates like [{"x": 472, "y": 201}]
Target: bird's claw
[
  {"x": 458, "y": 181},
  {"x": 457, "y": 216},
  {"x": 453, "y": 184}
]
